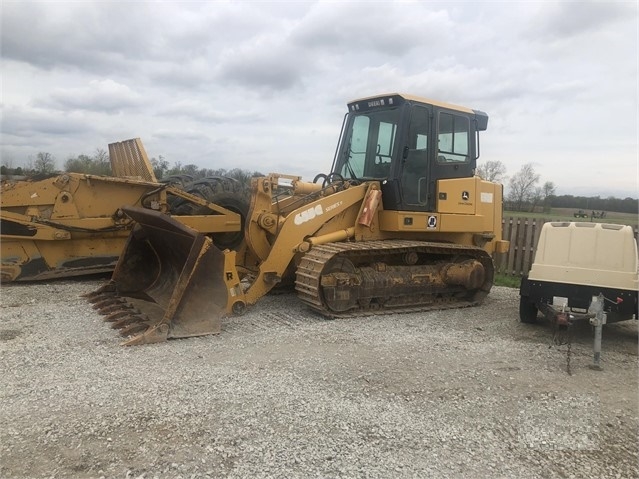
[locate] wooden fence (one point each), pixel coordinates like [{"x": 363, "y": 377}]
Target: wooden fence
[{"x": 523, "y": 234}]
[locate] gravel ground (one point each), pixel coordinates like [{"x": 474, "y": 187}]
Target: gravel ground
[{"x": 284, "y": 393}]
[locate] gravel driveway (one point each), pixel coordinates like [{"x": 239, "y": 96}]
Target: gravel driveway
[{"x": 284, "y": 393}]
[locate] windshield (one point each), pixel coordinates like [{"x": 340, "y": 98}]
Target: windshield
[{"x": 368, "y": 144}]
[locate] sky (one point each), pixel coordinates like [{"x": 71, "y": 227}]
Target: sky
[{"x": 263, "y": 86}]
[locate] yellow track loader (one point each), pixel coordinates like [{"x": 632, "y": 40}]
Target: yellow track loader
[
  {"x": 72, "y": 224},
  {"x": 400, "y": 224}
]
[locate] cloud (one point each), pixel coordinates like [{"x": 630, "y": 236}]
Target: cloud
[
  {"x": 105, "y": 96},
  {"x": 181, "y": 135},
  {"x": 191, "y": 109},
  {"x": 263, "y": 85},
  {"x": 392, "y": 29},
  {"x": 568, "y": 20},
  {"x": 83, "y": 37},
  {"x": 263, "y": 64},
  {"x": 30, "y": 122}
]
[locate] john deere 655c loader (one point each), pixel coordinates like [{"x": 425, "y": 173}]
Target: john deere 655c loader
[{"x": 401, "y": 223}]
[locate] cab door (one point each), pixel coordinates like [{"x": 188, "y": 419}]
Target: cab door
[{"x": 415, "y": 170}]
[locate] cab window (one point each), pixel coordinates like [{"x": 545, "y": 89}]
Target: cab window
[
  {"x": 358, "y": 144},
  {"x": 370, "y": 145},
  {"x": 453, "y": 138}
]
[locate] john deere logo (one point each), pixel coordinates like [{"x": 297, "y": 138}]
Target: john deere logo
[{"x": 465, "y": 195}]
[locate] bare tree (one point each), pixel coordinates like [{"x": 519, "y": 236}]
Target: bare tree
[
  {"x": 102, "y": 162},
  {"x": 191, "y": 169},
  {"x": 7, "y": 167},
  {"x": 522, "y": 187},
  {"x": 535, "y": 198},
  {"x": 547, "y": 190},
  {"x": 28, "y": 166},
  {"x": 101, "y": 156},
  {"x": 243, "y": 176},
  {"x": 492, "y": 171},
  {"x": 44, "y": 163}
]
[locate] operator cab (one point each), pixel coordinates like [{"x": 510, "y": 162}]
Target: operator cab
[{"x": 408, "y": 143}]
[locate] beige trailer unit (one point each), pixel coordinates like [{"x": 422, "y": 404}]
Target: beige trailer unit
[{"x": 576, "y": 261}]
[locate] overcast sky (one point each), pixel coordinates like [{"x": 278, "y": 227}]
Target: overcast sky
[{"x": 264, "y": 86}]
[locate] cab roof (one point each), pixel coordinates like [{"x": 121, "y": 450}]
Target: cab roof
[{"x": 481, "y": 116}]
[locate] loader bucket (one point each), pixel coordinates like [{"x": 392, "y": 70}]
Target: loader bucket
[{"x": 168, "y": 282}]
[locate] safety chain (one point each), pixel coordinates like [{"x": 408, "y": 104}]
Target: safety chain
[
  {"x": 569, "y": 350},
  {"x": 561, "y": 337}
]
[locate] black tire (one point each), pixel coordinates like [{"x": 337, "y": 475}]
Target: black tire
[
  {"x": 179, "y": 181},
  {"x": 225, "y": 192},
  {"x": 527, "y": 310}
]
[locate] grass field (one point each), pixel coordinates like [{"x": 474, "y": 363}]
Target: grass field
[
  {"x": 507, "y": 281},
  {"x": 567, "y": 214}
]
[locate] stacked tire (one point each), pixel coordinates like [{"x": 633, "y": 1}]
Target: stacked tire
[{"x": 226, "y": 192}]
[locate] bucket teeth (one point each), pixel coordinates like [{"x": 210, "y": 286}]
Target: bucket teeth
[
  {"x": 134, "y": 329},
  {"x": 101, "y": 297},
  {"x": 105, "y": 304},
  {"x": 106, "y": 288},
  {"x": 120, "y": 305},
  {"x": 122, "y": 313},
  {"x": 127, "y": 320}
]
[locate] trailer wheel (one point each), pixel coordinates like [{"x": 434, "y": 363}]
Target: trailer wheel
[{"x": 527, "y": 310}]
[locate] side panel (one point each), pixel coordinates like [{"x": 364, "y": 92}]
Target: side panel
[
  {"x": 458, "y": 196},
  {"x": 586, "y": 253}
]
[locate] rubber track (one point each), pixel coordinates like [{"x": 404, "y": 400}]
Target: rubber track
[{"x": 312, "y": 264}]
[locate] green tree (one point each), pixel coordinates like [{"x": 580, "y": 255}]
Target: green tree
[
  {"x": 160, "y": 167},
  {"x": 79, "y": 164},
  {"x": 98, "y": 164},
  {"x": 176, "y": 170},
  {"x": 191, "y": 170}
]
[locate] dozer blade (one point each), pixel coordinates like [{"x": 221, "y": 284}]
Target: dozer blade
[{"x": 172, "y": 278}]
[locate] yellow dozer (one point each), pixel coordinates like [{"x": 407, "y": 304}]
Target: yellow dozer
[
  {"x": 72, "y": 224},
  {"x": 400, "y": 224}
]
